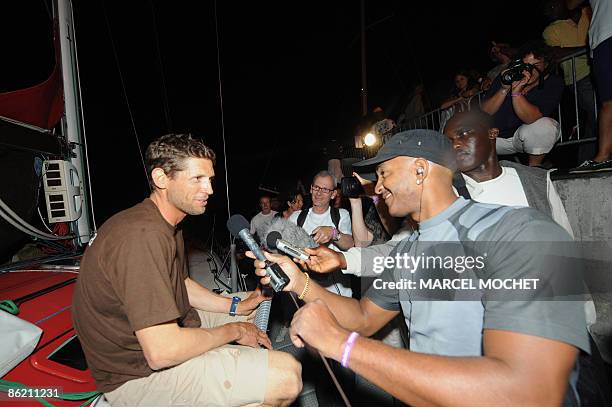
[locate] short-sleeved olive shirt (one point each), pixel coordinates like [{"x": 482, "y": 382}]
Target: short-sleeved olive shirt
[{"x": 132, "y": 277}]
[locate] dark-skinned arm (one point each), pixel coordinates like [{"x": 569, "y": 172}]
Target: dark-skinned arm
[
  {"x": 517, "y": 369},
  {"x": 362, "y": 316}
]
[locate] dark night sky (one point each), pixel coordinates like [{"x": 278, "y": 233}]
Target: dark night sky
[{"x": 290, "y": 75}]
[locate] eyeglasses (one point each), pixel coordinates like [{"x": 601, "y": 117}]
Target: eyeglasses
[{"x": 316, "y": 188}]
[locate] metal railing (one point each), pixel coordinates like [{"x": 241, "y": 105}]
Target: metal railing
[{"x": 436, "y": 119}]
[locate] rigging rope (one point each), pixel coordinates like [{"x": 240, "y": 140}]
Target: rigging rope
[
  {"x": 127, "y": 102},
  {"x": 222, "y": 114},
  {"x": 161, "y": 71}
]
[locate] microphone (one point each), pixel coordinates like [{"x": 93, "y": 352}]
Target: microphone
[
  {"x": 289, "y": 232},
  {"x": 274, "y": 240},
  {"x": 239, "y": 227}
]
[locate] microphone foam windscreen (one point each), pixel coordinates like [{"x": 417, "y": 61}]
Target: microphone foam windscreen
[
  {"x": 272, "y": 238},
  {"x": 291, "y": 233},
  {"x": 262, "y": 228},
  {"x": 236, "y": 223}
]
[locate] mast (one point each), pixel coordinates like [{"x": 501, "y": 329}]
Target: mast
[
  {"x": 364, "y": 75},
  {"x": 72, "y": 123}
]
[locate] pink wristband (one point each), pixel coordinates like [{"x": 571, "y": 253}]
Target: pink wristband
[
  {"x": 375, "y": 199},
  {"x": 348, "y": 346},
  {"x": 516, "y": 94},
  {"x": 334, "y": 234}
]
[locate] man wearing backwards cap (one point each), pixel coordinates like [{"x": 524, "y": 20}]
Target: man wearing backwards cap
[{"x": 486, "y": 351}]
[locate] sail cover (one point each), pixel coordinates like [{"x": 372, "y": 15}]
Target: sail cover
[{"x": 41, "y": 105}]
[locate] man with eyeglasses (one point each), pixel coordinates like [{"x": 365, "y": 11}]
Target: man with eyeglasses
[
  {"x": 319, "y": 222},
  {"x": 522, "y": 110}
]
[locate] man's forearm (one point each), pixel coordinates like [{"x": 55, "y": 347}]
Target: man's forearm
[
  {"x": 360, "y": 260},
  {"x": 346, "y": 310},
  {"x": 205, "y": 300},
  {"x": 525, "y": 111},
  {"x": 174, "y": 345},
  {"x": 361, "y": 235},
  {"x": 492, "y": 104},
  {"x": 421, "y": 380},
  {"x": 345, "y": 242}
]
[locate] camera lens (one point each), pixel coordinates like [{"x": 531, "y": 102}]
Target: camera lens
[{"x": 351, "y": 187}]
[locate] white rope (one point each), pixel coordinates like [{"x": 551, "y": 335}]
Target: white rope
[{"x": 222, "y": 115}]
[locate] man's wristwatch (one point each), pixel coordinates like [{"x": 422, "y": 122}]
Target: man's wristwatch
[
  {"x": 235, "y": 301},
  {"x": 335, "y": 234}
]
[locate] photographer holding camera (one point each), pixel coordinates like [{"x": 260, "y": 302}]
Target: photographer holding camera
[
  {"x": 521, "y": 100},
  {"x": 375, "y": 225}
]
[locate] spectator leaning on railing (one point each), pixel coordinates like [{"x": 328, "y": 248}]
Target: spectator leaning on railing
[
  {"x": 465, "y": 88},
  {"x": 567, "y": 33},
  {"x": 522, "y": 109}
]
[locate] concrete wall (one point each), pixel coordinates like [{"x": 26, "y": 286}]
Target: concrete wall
[{"x": 588, "y": 203}]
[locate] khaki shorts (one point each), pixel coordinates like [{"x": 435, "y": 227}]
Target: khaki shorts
[{"x": 226, "y": 376}]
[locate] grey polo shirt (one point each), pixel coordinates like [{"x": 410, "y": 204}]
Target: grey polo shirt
[{"x": 513, "y": 244}]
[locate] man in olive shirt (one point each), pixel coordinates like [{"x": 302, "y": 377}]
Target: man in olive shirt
[{"x": 153, "y": 336}]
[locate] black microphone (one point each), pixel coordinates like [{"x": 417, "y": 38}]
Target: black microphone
[
  {"x": 274, "y": 240},
  {"x": 239, "y": 227}
]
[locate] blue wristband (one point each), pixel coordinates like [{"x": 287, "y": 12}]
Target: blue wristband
[{"x": 235, "y": 301}]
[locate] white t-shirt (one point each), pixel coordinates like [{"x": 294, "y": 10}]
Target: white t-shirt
[
  {"x": 506, "y": 189},
  {"x": 259, "y": 219},
  {"x": 339, "y": 283},
  {"x": 601, "y": 22}
]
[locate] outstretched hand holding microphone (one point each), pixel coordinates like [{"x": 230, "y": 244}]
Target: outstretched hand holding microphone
[{"x": 313, "y": 324}]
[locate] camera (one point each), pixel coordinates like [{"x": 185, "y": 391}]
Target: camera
[
  {"x": 514, "y": 71},
  {"x": 351, "y": 187}
]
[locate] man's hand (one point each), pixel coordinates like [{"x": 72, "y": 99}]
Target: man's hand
[
  {"x": 323, "y": 260},
  {"x": 250, "y": 304},
  {"x": 368, "y": 186},
  {"x": 517, "y": 86},
  {"x": 296, "y": 277},
  {"x": 323, "y": 234},
  {"x": 315, "y": 326},
  {"x": 250, "y": 335}
]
